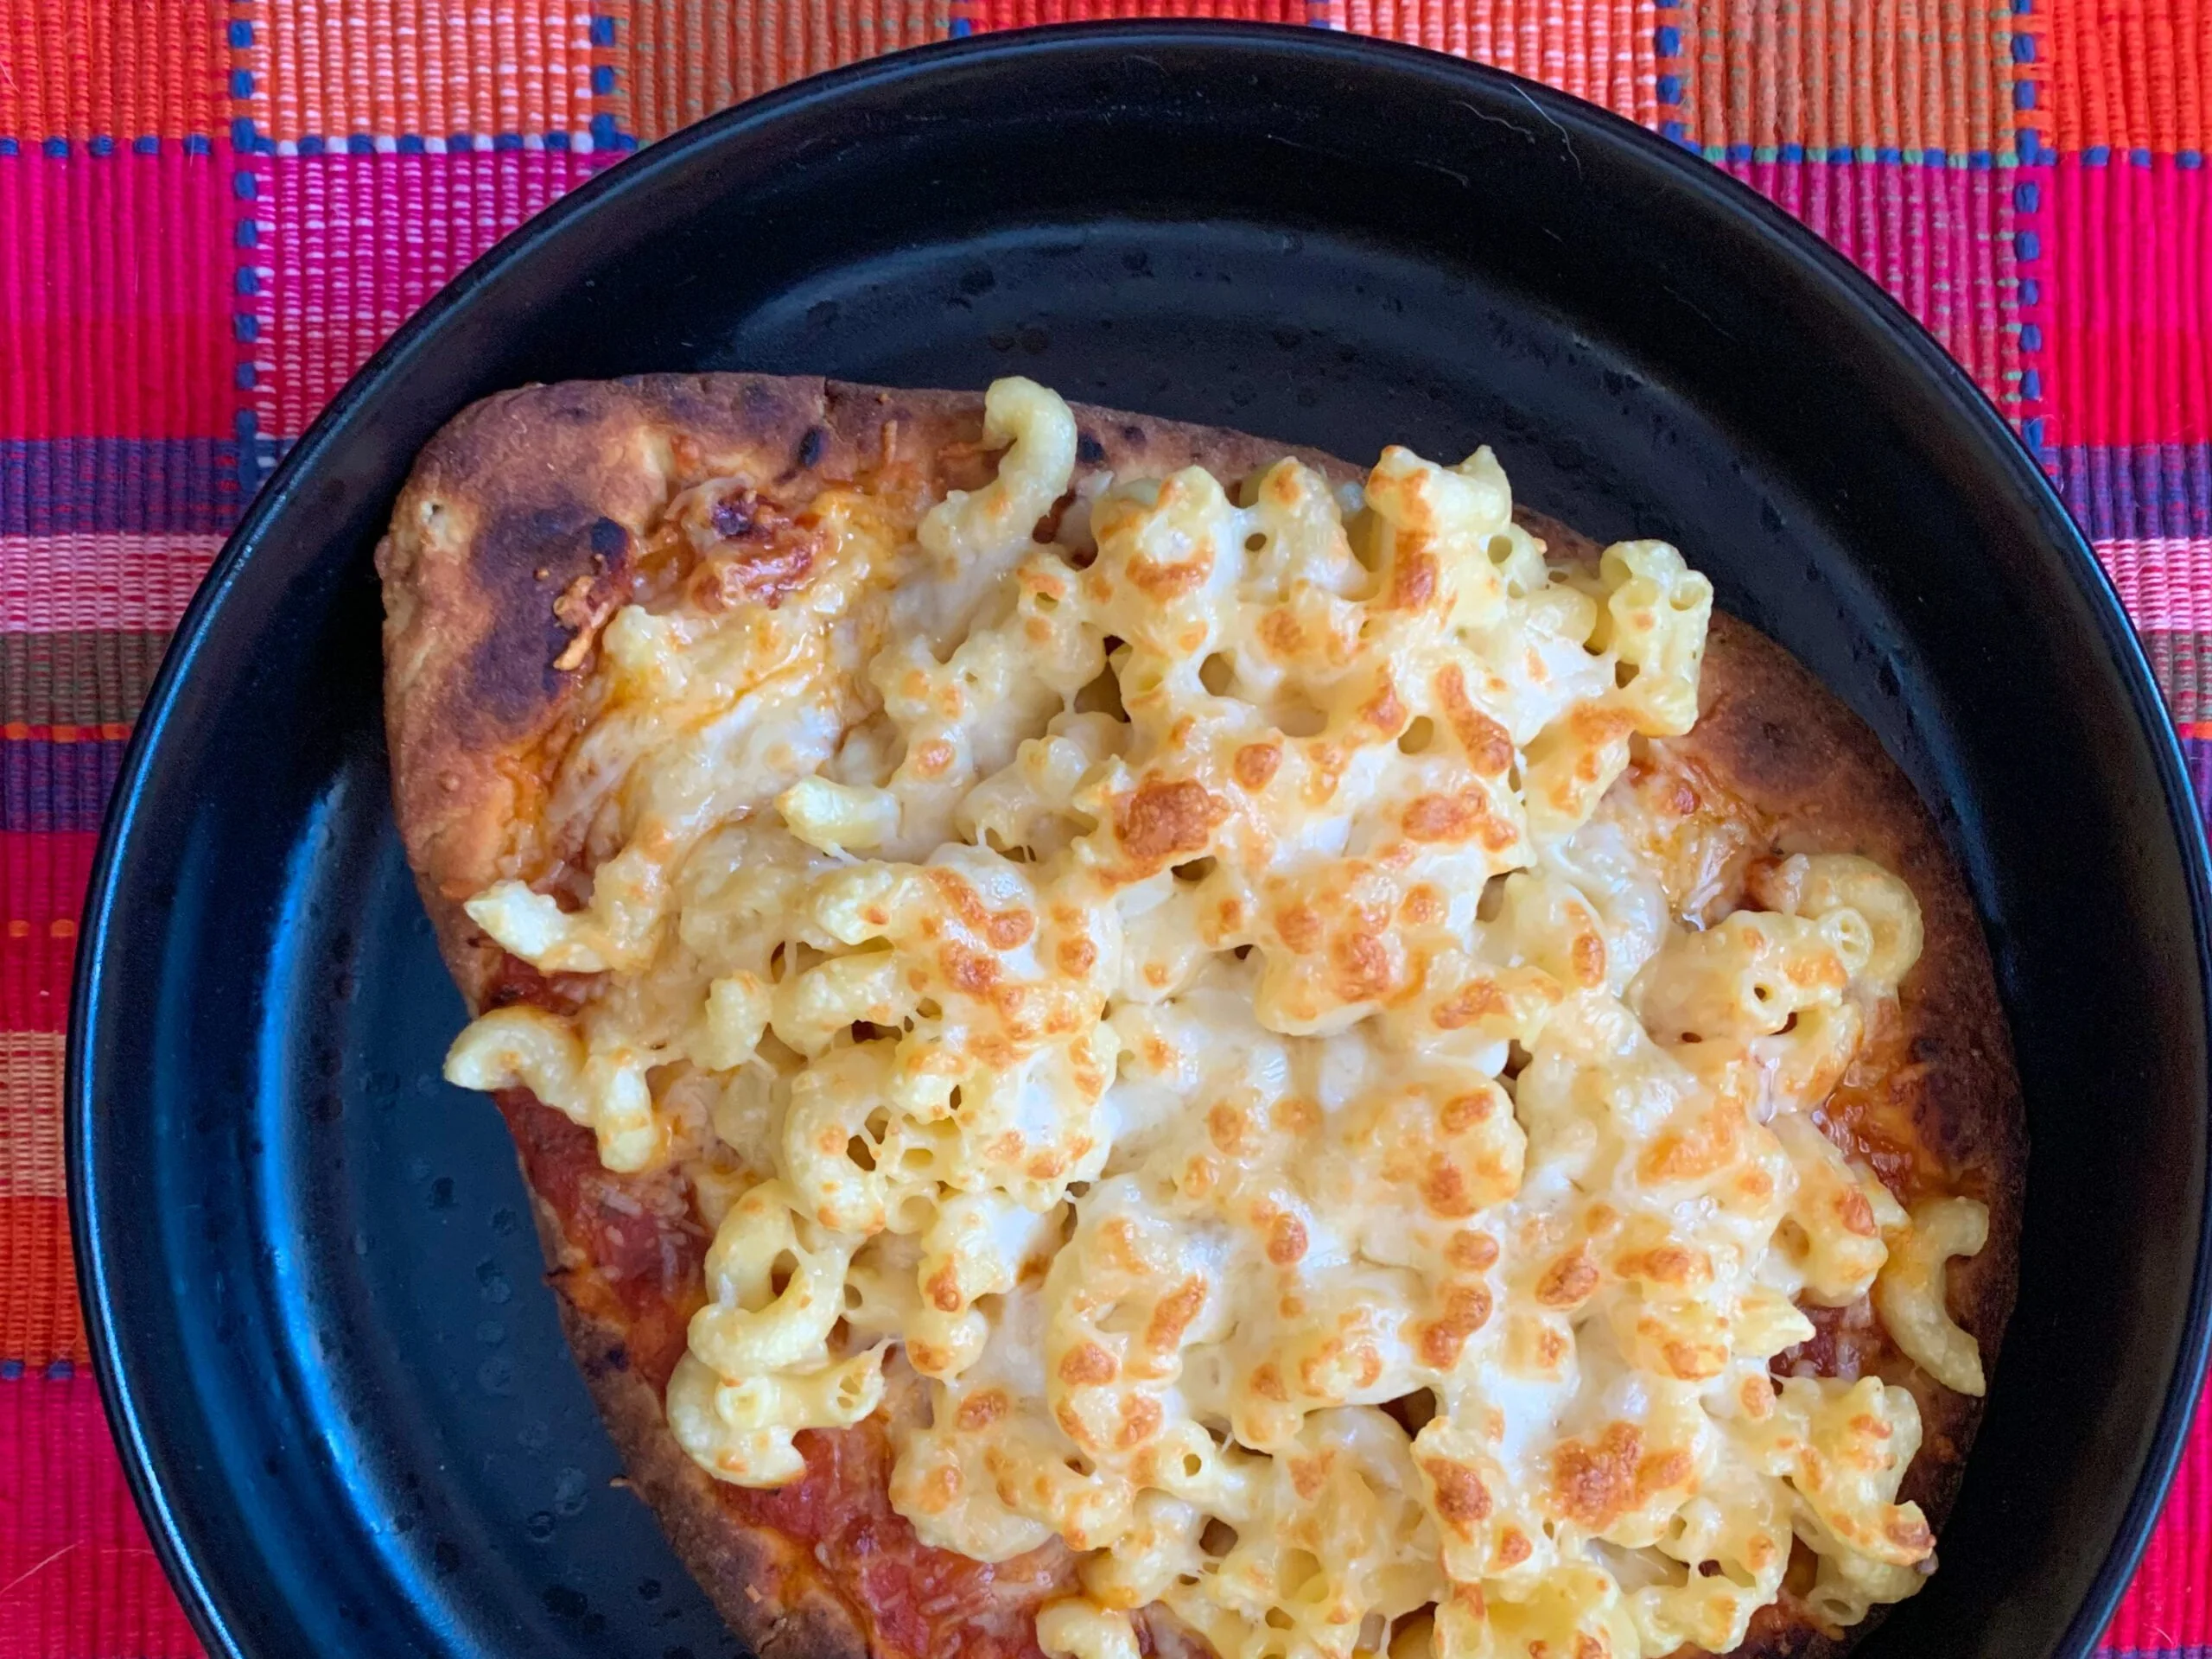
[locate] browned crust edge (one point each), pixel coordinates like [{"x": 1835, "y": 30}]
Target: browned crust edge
[{"x": 527, "y": 491}]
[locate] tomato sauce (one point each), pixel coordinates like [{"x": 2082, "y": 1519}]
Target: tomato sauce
[
  {"x": 1873, "y": 1114},
  {"x": 647, "y": 1251},
  {"x": 915, "y": 1600}
]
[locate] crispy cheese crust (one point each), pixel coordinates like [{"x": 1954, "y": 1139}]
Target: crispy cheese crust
[{"x": 525, "y": 522}]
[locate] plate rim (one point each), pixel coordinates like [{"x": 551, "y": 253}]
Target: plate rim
[{"x": 1821, "y": 267}]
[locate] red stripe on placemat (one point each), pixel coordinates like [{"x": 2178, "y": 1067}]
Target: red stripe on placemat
[
  {"x": 114, "y": 321},
  {"x": 77, "y": 1578},
  {"x": 2131, "y": 301},
  {"x": 43, "y": 880},
  {"x": 2170, "y": 1605}
]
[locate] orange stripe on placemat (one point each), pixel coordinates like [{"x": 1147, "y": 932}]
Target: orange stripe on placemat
[
  {"x": 77, "y": 1578},
  {"x": 1601, "y": 50},
  {"x": 677, "y": 62},
  {"x": 383, "y": 69},
  {"x": 1977, "y": 101},
  {"x": 2072, "y": 76},
  {"x": 2192, "y": 40},
  {"x": 2070, "y": 80},
  {"x": 1866, "y": 75},
  {"x": 1386, "y": 17},
  {"x": 2130, "y": 74},
  {"x": 43, "y": 880},
  {"x": 120, "y": 69},
  {"x": 39, "y": 1319}
]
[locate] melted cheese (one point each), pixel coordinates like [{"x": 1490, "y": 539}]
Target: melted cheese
[{"x": 1177, "y": 993}]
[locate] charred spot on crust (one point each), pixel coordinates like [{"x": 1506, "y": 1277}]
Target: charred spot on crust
[
  {"x": 522, "y": 538},
  {"x": 510, "y": 676},
  {"x": 618, "y": 1357},
  {"x": 764, "y": 554},
  {"x": 810, "y": 446},
  {"x": 1048, "y": 527},
  {"x": 610, "y": 541},
  {"x": 574, "y": 403},
  {"x": 734, "y": 514},
  {"x": 1948, "y": 1118},
  {"x": 516, "y": 981},
  {"x": 763, "y": 400},
  {"x": 1766, "y": 757},
  {"x": 1089, "y": 450},
  {"x": 1133, "y": 435}
]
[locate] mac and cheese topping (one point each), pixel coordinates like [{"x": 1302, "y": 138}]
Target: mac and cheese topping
[{"x": 1191, "y": 993}]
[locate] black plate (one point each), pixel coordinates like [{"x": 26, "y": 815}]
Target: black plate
[{"x": 345, "y": 1409}]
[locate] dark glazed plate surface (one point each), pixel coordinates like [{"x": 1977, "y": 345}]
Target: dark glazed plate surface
[{"x": 313, "y": 1287}]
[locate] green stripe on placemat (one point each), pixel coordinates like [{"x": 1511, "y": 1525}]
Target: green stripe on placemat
[{"x": 78, "y": 678}]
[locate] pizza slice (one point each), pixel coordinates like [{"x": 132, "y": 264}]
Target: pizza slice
[{"x": 1128, "y": 1039}]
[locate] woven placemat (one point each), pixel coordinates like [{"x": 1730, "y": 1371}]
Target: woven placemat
[{"x": 211, "y": 211}]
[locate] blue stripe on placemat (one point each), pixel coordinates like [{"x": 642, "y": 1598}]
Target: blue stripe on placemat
[
  {"x": 47, "y": 786},
  {"x": 2121, "y": 492},
  {"x": 59, "y": 486},
  {"x": 2198, "y": 753}
]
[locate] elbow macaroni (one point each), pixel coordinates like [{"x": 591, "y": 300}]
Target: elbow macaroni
[
  {"x": 1909, "y": 1295},
  {"x": 1180, "y": 1003}
]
